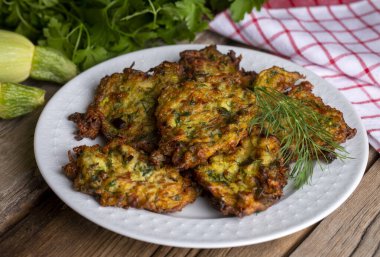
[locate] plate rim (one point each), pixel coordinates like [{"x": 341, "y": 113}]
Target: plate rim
[{"x": 179, "y": 242}]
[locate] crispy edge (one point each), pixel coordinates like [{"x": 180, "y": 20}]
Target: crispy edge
[
  {"x": 277, "y": 78},
  {"x": 71, "y": 170},
  {"x": 340, "y": 134},
  {"x": 91, "y": 123},
  {"x": 271, "y": 180},
  {"x": 345, "y": 132},
  {"x": 171, "y": 150},
  {"x": 190, "y": 59}
]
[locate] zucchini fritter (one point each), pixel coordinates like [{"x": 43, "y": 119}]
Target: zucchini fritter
[
  {"x": 277, "y": 78},
  {"x": 198, "y": 119},
  {"x": 201, "y": 115},
  {"x": 118, "y": 175},
  {"x": 247, "y": 181},
  {"x": 124, "y": 106},
  {"x": 332, "y": 120},
  {"x": 201, "y": 64}
]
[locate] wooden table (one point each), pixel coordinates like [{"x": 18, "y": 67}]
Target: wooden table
[{"x": 35, "y": 222}]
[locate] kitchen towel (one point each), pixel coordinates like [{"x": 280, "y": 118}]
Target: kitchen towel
[{"x": 339, "y": 40}]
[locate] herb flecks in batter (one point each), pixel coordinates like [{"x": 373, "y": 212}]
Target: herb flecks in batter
[
  {"x": 308, "y": 129},
  {"x": 119, "y": 175}
]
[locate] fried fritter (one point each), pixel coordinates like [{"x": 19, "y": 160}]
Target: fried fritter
[
  {"x": 198, "y": 119},
  {"x": 209, "y": 62},
  {"x": 124, "y": 106},
  {"x": 118, "y": 175},
  {"x": 247, "y": 181},
  {"x": 277, "y": 78},
  {"x": 332, "y": 120},
  {"x": 166, "y": 74},
  {"x": 196, "y": 116}
]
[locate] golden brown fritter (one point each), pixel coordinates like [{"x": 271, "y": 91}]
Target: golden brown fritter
[
  {"x": 118, "y": 175},
  {"x": 198, "y": 119},
  {"x": 247, "y": 181},
  {"x": 201, "y": 64},
  {"x": 332, "y": 120},
  {"x": 209, "y": 62},
  {"x": 193, "y": 116},
  {"x": 124, "y": 106},
  {"x": 277, "y": 78},
  {"x": 166, "y": 74}
]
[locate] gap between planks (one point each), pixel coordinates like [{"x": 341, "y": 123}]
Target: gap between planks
[
  {"x": 354, "y": 228},
  {"x": 58, "y": 215},
  {"x": 21, "y": 184},
  {"x": 52, "y": 228}
]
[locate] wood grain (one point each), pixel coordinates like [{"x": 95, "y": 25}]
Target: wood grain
[
  {"x": 34, "y": 222},
  {"x": 209, "y": 37},
  {"x": 353, "y": 229},
  {"x": 372, "y": 157},
  {"x": 21, "y": 184},
  {"x": 275, "y": 248},
  {"x": 53, "y": 229}
]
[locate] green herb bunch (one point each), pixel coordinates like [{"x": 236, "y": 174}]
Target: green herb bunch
[
  {"x": 91, "y": 31},
  {"x": 301, "y": 130}
]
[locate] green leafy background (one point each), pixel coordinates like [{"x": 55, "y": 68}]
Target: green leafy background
[{"x": 91, "y": 31}]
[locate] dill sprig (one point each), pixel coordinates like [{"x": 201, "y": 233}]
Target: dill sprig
[{"x": 301, "y": 130}]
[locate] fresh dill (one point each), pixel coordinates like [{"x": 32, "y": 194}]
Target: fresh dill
[{"x": 301, "y": 130}]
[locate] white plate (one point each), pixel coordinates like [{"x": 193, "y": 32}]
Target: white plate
[{"x": 198, "y": 225}]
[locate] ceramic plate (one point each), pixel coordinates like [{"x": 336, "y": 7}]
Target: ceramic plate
[{"x": 198, "y": 225}]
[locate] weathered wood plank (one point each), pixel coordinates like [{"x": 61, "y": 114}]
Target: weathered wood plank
[
  {"x": 53, "y": 229},
  {"x": 352, "y": 229},
  {"x": 209, "y": 37},
  {"x": 59, "y": 221},
  {"x": 21, "y": 184},
  {"x": 175, "y": 252},
  {"x": 367, "y": 246},
  {"x": 372, "y": 157},
  {"x": 275, "y": 248}
]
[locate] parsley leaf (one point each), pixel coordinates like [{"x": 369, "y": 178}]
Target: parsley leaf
[
  {"x": 240, "y": 7},
  {"x": 192, "y": 11},
  {"x": 91, "y": 31}
]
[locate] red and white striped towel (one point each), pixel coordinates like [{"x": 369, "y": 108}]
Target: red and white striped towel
[{"x": 340, "y": 43}]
